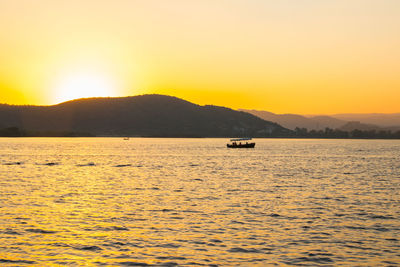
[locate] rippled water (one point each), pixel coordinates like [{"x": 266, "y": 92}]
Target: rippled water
[{"x": 107, "y": 201}]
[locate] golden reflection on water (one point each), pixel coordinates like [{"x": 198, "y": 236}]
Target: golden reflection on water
[{"x": 106, "y": 201}]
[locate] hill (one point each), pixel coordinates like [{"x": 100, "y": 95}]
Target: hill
[
  {"x": 145, "y": 115},
  {"x": 356, "y": 125},
  {"x": 291, "y": 121},
  {"x": 344, "y": 122},
  {"x": 378, "y": 119}
]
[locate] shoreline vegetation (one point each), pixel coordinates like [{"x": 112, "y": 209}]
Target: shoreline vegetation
[
  {"x": 17, "y": 132},
  {"x": 301, "y": 133}
]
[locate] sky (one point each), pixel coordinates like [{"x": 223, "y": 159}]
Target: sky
[{"x": 287, "y": 56}]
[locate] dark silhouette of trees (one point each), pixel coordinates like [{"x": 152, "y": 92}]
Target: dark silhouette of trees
[
  {"x": 12, "y": 132},
  {"x": 17, "y": 132},
  {"x": 297, "y": 133},
  {"x": 354, "y": 134}
]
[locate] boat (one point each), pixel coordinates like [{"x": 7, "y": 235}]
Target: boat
[
  {"x": 245, "y": 144},
  {"x": 126, "y": 138}
]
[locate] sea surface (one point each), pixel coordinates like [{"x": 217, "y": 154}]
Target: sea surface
[{"x": 194, "y": 202}]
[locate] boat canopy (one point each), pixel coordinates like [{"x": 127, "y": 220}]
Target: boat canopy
[{"x": 240, "y": 139}]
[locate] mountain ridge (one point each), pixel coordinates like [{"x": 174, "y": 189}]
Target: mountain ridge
[
  {"x": 291, "y": 121},
  {"x": 348, "y": 122},
  {"x": 144, "y": 115}
]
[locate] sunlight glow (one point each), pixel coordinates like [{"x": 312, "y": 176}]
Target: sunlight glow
[
  {"x": 83, "y": 85},
  {"x": 301, "y": 57}
]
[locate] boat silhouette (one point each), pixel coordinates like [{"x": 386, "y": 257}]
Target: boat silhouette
[{"x": 234, "y": 143}]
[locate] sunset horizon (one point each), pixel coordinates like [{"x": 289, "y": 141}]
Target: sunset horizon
[
  {"x": 199, "y": 132},
  {"x": 285, "y": 57}
]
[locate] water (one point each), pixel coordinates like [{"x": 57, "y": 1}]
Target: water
[{"x": 108, "y": 201}]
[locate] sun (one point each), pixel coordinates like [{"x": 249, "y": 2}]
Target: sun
[{"x": 84, "y": 84}]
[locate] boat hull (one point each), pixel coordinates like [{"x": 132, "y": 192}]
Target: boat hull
[{"x": 250, "y": 145}]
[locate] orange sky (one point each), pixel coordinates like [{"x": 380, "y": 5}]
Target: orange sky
[{"x": 286, "y": 56}]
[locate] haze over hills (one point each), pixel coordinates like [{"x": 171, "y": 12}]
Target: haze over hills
[
  {"x": 379, "y": 119},
  {"x": 291, "y": 121},
  {"x": 346, "y": 122},
  {"x": 145, "y": 115}
]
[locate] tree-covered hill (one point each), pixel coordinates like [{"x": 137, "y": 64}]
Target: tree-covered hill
[{"x": 145, "y": 115}]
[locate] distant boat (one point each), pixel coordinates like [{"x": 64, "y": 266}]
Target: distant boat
[
  {"x": 234, "y": 143},
  {"x": 126, "y": 138}
]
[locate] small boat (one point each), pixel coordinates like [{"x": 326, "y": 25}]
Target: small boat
[
  {"x": 245, "y": 144},
  {"x": 126, "y": 138}
]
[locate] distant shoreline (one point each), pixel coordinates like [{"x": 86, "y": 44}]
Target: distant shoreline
[
  {"x": 191, "y": 137},
  {"x": 15, "y": 132}
]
